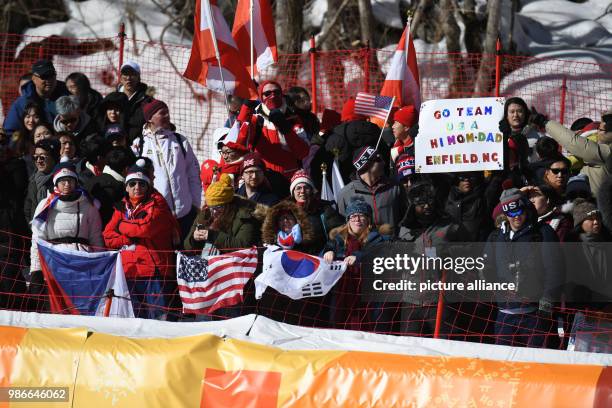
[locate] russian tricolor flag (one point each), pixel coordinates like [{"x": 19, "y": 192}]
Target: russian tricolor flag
[{"x": 78, "y": 281}]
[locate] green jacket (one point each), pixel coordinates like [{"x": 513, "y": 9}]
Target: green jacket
[
  {"x": 244, "y": 229},
  {"x": 592, "y": 153}
]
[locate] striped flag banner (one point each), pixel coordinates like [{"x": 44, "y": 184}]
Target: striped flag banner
[
  {"x": 373, "y": 105},
  {"x": 209, "y": 283}
]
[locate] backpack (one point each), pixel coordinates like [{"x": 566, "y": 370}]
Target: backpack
[{"x": 180, "y": 138}]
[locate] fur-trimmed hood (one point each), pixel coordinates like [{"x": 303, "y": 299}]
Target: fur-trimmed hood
[
  {"x": 269, "y": 229},
  {"x": 384, "y": 229}
]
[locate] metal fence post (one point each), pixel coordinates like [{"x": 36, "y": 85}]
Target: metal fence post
[{"x": 313, "y": 74}]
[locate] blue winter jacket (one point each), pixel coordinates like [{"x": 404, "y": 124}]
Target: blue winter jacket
[{"x": 15, "y": 114}]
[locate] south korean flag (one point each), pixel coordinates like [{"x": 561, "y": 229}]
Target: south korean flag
[{"x": 297, "y": 275}]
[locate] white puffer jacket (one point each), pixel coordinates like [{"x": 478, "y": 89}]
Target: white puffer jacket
[
  {"x": 68, "y": 219},
  {"x": 176, "y": 169}
]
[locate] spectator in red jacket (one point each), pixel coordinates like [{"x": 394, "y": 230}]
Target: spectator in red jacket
[
  {"x": 273, "y": 131},
  {"x": 142, "y": 222}
]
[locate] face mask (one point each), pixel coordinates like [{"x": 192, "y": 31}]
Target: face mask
[{"x": 273, "y": 99}]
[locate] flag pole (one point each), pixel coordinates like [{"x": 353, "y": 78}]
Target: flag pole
[
  {"x": 251, "y": 38},
  {"x": 385, "y": 124},
  {"x": 214, "y": 40}
]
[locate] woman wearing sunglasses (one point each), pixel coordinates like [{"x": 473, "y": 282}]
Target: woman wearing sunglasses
[
  {"x": 46, "y": 156},
  {"x": 143, "y": 223}
]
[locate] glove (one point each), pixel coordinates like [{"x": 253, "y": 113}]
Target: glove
[
  {"x": 537, "y": 119},
  {"x": 251, "y": 103},
  {"x": 414, "y": 131},
  {"x": 277, "y": 117},
  {"x": 505, "y": 128},
  {"x": 246, "y": 110}
]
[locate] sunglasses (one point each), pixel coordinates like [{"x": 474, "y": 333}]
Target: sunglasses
[
  {"x": 272, "y": 92},
  {"x": 139, "y": 183},
  {"x": 557, "y": 171},
  {"x": 514, "y": 213},
  {"x": 65, "y": 121},
  {"x": 46, "y": 77},
  {"x": 40, "y": 157}
]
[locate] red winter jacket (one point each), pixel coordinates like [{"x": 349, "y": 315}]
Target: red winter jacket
[
  {"x": 281, "y": 153},
  {"x": 151, "y": 228}
]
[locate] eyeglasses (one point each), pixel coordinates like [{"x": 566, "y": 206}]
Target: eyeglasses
[
  {"x": 355, "y": 217},
  {"x": 65, "y": 121},
  {"x": 272, "y": 92},
  {"x": 40, "y": 157},
  {"x": 226, "y": 152},
  {"x": 563, "y": 171},
  {"x": 137, "y": 182},
  {"x": 216, "y": 208}
]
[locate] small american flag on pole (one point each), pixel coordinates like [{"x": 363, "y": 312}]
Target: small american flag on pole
[
  {"x": 207, "y": 284},
  {"x": 373, "y": 105}
]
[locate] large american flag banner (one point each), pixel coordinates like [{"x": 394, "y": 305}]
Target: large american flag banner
[
  {"x": 373, "y": 105},
  {"x": 207, "y": 284}
]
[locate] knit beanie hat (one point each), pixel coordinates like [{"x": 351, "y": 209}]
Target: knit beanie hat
[
  {"x": 583, "y": 209},
  {"x": 578, "y": 186},
  {"x": 220, "y": 192},
  {"x": 149, "y": 109},
  {"x": 363, "y": 156},
  {"x": 404, "y": 166},
  {"x": 65, "y": 168},
  {"x": 511, "y": 199},
  {"x": 252, "y": 160},
  {"x": 407, "y": 116},
  {"x": 358, "y": 205},
  {"x": 137, "y": 171},
  {"x": 301, "y": 176}
]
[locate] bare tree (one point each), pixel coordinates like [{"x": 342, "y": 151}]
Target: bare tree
[
  {"x": 452, "y": 33},
  {"x": 289, "y": 20},
  {"x": 366, "y": 22},
  {"x": 485, "y": 79}
]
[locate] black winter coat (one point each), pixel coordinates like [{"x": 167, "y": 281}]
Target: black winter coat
[{"x": 471, "y": 211}]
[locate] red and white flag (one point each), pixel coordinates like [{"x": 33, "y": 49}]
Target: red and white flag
[
  {"x": 203, "y": 66},
  {"x": 264, "y": 38},
  {"x": 402, "y": 79},
  {"x": 207, "y": 284}
]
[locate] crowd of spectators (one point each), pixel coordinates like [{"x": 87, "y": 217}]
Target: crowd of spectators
[{"x": 92, "y": 172}]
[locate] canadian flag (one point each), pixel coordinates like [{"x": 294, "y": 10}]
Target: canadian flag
[
  {"x": 264, "y": 38},
  {"x": 203, "y": 66},
  {"x": 402, "y": 80}
]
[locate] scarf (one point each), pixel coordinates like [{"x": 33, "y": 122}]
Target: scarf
[
  {"x": 40, "y": 219},
  {"x": 289, "y": 240}
]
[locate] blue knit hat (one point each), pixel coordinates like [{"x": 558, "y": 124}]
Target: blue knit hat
[
  {"x": 357, "y": 205},
  {"x": 65, "y": 168}
]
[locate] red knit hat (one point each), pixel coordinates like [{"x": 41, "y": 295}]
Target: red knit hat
[
  {"x": 407, "y": 116},
  {"x": 348, "y": 112},
  {"x": 149, "y": 109},
  {"x": 263, "y": 84},
  {"x": 209, "y": 173},
  {"x": 252, "y": 160}
]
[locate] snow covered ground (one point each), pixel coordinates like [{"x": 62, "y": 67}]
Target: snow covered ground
[{"x": 544, "y": 28}]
